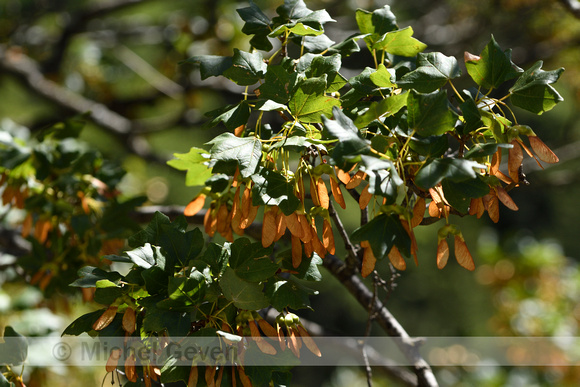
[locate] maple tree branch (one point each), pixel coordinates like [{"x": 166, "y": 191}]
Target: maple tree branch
[
  {"x": 78, "y": 23},
  {"x": 350, "y": 346},
  {"x": 352, "y": 258},
  {"x": 409, "y": 346},
  {"x": 27, "y": 71}
]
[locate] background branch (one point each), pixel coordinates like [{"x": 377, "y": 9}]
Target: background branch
[{"x": 27, "y": 71}]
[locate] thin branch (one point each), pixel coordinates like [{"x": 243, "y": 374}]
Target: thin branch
[
  {"x": 350, "y": 346},
  {"x": 148, "y": 72},
  {"x": 352, "y": 260},
  {"x": 79, "y": 24},
  {"x": 26, "y": 69},
  {"x": 408, "y": 346}
]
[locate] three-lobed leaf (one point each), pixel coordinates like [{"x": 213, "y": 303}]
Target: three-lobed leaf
[
  {"x": 433, "y": 71},
  {"x": 429, "y": 114},
  {"x": 492, "y": 67},
  {"x": 245, "y": 153},
  {"x": 532, "y": 90}
]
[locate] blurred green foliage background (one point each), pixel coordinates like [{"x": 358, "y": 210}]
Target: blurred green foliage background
[{"x": 125, "y": 54}]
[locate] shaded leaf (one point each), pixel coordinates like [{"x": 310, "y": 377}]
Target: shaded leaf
[
  {"x": 380, "y": 109},
  {"x": 244, "y": 294},
  {"x": 351, "y": 143},
  {"x": 382, "y": 233},
  {"x": 89, "y": 275},
  {"x": 433, "y": 71},
  {"x": 288, "y": 294},
  {"x": 459, "y": 194},
  {"x": 532, "y": 90},
  {"x": 493, "y": 67},
  {"x": 211, "y": 65},
  {"x": 15, "y": 350},
  {"x": 231, "y": 115},
  {"x": 245, "y": 152},
  {"x": 247, "y": 68},
  {"x": 429, "y": 114},
  {"x": 456, "y": 170},
  {"x": 272, "y": 189},
  {"x": 251, "y": 261}
]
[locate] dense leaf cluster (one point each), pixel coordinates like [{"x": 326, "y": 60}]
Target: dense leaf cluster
[
  {"x": 67, "y": 193},
  {"x": 398, "y": 137}
]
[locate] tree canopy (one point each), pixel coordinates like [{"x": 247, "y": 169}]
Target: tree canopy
[{"x": 360, "y": 155}]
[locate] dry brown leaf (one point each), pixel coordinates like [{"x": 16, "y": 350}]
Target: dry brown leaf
[
  {"x": 113, "y": 360},
  {"x": 434, "y": 211},
  {"x": 129, "y": 320},
  {"x": 293, "y": 342},
  {"x": 317, "y": 244},
  {"x": 306, "y": 229},
  {"x": 245, "y": 223},
  {"x": 491, "y": 204},
  {"x": 495, "y": 162},
  {"x": 268, "y": 329},
  {"x": 105, "y": 319},
  {"x": 243, "y": 377},
  {"x": 218, "y": 380},
  {"x": 294, "y": 225},
  {"x": 193, "y": 376},
  {"x": 26, "y": 226},
  {"x": 280, "y": 225},
  {"x": 476, "y": 207},
  {"x": 222, "y": 224},
  {"x": 314, "y": 192},
  {"x": 246, "y": 202},
  {"x": 210, "y": 375},
  {"x": 343, "y": 176},
  {"x": 239, "y": 130},
  {"x": 130, "y": 371},
  {"x": 503, "y": 177}
]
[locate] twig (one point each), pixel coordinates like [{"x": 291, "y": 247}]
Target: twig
[
  {"x": 79, "y": 24},
  {"x": 350, "y": 346},
  {"x": 26, "y": 69},
  {"x": 148, "y": 72},
  {"x": 352, "y": 260},
  {"x": 408, "y": 346}
]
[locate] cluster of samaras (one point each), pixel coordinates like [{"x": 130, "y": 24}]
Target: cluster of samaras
[{"x": 229, "y": 216}]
